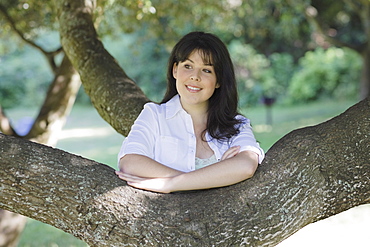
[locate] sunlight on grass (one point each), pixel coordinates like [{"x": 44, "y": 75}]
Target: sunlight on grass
[
  {"x": 350, "y": 228},
  {"x": 38, "y": 234},
  {"x": 85, "y": 132}
]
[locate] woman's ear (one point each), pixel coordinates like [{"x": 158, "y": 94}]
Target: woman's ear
[
  {"x": 174, "y": 70},
  {"x": 218, "y": 85}
]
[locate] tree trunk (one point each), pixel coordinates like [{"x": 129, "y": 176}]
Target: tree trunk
[
  {"x": 11, "y": 227},
  {"x": 57, "y": 105},
  {"x": 308, "y": 175}
]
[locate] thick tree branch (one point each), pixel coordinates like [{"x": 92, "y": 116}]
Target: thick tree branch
[
  {"x": 115, "y": 96},
  {"x": 308, "y": 175}
]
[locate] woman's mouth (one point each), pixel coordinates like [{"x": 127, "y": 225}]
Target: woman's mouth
[{"x": 193, "y": 88}]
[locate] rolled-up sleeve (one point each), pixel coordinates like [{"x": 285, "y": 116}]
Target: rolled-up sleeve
[
  {"x": 141, "y": 138},
  {"x": 246, "y": 140}
]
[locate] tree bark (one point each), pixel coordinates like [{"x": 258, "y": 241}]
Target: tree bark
[
  {"x": 47, "y": 126},
  {"x": 115, "y": 96},
  {"x": 308, "y": 175},
  {"x": 46, "y": 129}
]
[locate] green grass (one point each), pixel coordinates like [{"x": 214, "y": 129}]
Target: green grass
[
  {"x": 38, "y": 234},
  {"x": 86, "y": 134},
  {"x": 286, "y": 119}
]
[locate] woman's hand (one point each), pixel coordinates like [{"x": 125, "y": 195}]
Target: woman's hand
[
  {"x": 231, "y": 152},
  {"x": 162, "y": 185},
  {"x": 234, "y": 167}
]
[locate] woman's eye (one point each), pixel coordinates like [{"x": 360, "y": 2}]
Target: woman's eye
[
  {"x": 187, "y": 66},
  {"x": 207, "y": 71}
]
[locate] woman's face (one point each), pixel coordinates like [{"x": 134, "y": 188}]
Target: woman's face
[{"x": 195, "y": 81}]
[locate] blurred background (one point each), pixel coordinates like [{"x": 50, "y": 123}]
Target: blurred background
[{"x": 298, "y": 63}]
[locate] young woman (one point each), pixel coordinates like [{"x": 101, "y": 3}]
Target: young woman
[{"x": 195, "y": 138}]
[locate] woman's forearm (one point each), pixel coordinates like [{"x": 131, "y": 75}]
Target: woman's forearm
[
  {"x": 224, "y": 173},
  {"x": 154, "y": 177},
  {"x": 143, "y": 166}
]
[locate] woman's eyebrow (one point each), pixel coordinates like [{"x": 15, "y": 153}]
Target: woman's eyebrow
[{"x": 207, "y": 64}]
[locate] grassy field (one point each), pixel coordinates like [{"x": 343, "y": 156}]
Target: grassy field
[{"x": 86, "y": 134}]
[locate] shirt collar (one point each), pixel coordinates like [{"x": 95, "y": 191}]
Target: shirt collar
[{"x": 173, "y": 106}]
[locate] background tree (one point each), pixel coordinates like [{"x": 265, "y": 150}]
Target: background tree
[
  {"x": 269, "y": 26},
  {"x": 19, "y": 19},
  {"x": 343, "y": 23}
]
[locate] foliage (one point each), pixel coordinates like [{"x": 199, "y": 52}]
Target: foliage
[
  {"x": 276, "y": 29},
  {"x": 31, "y": 17},
  {"x": 323, "y": 73},
  {"x": 252, "y": 70},
  {"x": 320, "y": 73},
  {"x": 20, "y": 84},
  {"x": 283, "y": 67},
  {"x": 345, "y": 19},
  {"x": 260, "y": 76},
  {"x": 147, "y": 63}
]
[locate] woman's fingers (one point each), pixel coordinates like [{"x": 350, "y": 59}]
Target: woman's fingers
[
  {"x": 128, "y": 177},
  {"x": 152, "y": 184},
  {"x": 231, "y": 152}
]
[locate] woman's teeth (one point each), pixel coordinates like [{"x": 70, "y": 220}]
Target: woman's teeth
[{"x": 193, "y": 88}]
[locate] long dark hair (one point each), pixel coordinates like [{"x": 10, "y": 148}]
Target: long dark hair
[{"x": 223, "y": 104}]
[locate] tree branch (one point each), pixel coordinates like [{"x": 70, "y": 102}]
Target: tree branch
[
  {"x": 308, "y": 175},
  {"x": 115, "y": 96},
  {"x": 311, "y": 16},
  {"x": 50, "y": 56},
  {"x": 5, "y": 125},
  {"x": 57, "y": 105}
]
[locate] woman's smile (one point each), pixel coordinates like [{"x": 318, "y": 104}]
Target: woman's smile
[
  {"x": 195, "y": 80},
  {"x": 193, "y": 89}
]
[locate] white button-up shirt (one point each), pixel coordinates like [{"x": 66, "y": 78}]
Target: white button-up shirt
[{"x": 165, "y": 133}]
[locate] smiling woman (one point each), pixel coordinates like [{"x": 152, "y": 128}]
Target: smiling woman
[
  {"x": 195, "y": 82},
  {"x": 195, "y": 138}
]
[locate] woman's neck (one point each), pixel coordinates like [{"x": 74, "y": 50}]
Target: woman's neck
[
  {"x": 199, "y": 116},
  {"x": 196, "y": 111}
]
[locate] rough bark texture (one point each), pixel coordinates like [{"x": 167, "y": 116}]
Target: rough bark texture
[
  {"x": 308, "y": 175},
  {"x": 46, "y": 128},
  {"x": 115, "y": 96}
]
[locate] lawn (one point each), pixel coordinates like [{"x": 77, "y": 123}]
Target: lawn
[{"x": 86, "y": 134}]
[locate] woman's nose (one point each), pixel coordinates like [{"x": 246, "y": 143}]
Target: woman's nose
[{"x": 195, "y": 76}]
